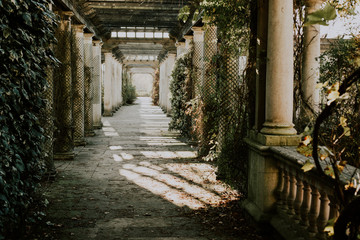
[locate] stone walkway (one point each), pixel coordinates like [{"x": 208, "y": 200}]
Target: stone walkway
[{"x": 134, "y": 180}]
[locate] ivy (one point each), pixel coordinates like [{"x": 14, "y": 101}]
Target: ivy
[
  {"x": 180, "y": 120},
  {"x": 26, "y": 32}
]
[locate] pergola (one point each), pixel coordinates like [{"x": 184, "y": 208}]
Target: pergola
[{"x": 113, "y": 35}]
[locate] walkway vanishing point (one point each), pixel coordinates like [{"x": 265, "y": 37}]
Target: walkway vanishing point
[{"x": 135, "y": 180}]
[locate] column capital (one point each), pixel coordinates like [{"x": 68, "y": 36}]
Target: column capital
[
  {"x": 65, "y": 15},
  {"x": 78, "y": 28},
  {"x": 171, "y": 54},
  {"x": 88, "y": 37},
  {"x": 180, "y": 44},
  {"x": 198, "y": 34},
  {"x": 188, "y": 37},
  {"x": 97, "y": 43},
  {"x": 197, "y": 30}
]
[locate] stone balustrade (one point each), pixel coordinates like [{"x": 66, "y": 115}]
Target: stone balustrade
[
  {"x": 297, "y": 204},
  {"x": 304, "y": 201}
]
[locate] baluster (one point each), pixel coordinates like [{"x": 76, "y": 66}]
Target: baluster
[
  {"x": 292, "y": 193},
  {"x": 279, "y": 188},
  {"x": 314, "y": 211},
  {"x": 323, "y": 215},
  {"x": 299, "y": 198},
  {"x": 285, "y": 191},
  {"x": 305, "y": 206}
]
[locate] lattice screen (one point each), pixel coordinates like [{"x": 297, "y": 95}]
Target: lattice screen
[
  {"x": 210, "y": 50},
  {"x": 63, "y": 96},
  {"x": 229, "y": 93},
  {"x": 78, "y": 88}
]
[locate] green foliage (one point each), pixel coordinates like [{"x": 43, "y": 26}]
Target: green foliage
[
  {"x": 155, "y": 90},
  {"x": 232, "y": 20},
  {"x": 128, "y": 90},
  {"x": 180, "y": 119},
  {"x": 321, "y": 16},
  {"x": 340, "y": 133},
  {"x": 27, "y": 30},
  {"x": 340, "y": 60}
]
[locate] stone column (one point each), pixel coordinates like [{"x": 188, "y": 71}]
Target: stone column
[
  {"x": 120, "y": 84},
  {"x": 97, "y": 84},
  {"x": 78, "y": 85},
  {"x": 170, "y": 63},
  {"x": 180, "y": 49},
  {"x": 198, "y": 59},
  {"x": 63, "y": 145},
  {"x": 108, "y": 84},
  {"x": 161, "y": 83},
  {"x": 88, "y": 69},
  {"x": 114, "y": 84},
  {"x": 279, "y": 72},
  {"x": 311, "y": 66}
]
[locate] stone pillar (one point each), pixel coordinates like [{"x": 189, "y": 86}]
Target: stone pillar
[
  {"x": 170, "y": 63},
  {"x": 88, "y": 70},
  {"x": 120, "y": 84},
  {"x": 180, "y": 49},
  {"x": 108, "y": 84},
  {"x": 162, "y": 83},
  {"x": 311, "y": 66},
  {"x": 279, "y": 71},
  {"x": 97, "y": 84},
  {"x": 63, "y": 145},
  {"x": 263, "y": 168},
  {"x": 198, "y": 59},
  {"x": 113, "y": 84},
  {"x": 78, "y": 85}
]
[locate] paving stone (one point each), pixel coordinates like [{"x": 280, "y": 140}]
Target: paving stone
[{"x": 133, "y": 180}]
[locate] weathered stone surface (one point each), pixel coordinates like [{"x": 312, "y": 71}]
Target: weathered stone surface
[{"x": 133, "y": 180}]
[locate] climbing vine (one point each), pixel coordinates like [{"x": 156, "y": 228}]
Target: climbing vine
[
  {"x": 128, "y": 89},
  {"x": 27, "y": 30},
  {"x": 181, "y": 75}
]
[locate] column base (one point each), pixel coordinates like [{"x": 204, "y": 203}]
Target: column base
[
  {"x": 107, "y": 114},
  {"x": 80, "y": 142},
  {"x": 278, "y": 129},
  {"x": 64, "y": 156},
  {"x": 275, "y": 140},
  {"x": 89, "y": 133},
  {"x": 98, "y": 126}
]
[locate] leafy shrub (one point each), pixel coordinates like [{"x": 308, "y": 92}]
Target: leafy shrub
[
  {"x": 155, "y": 90},
  {"x": 336, "y": 64},
  {"x": 128, "y": 90},
  {"x": 27, "y": 30},
  {"x": 180, "y": 119}
]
